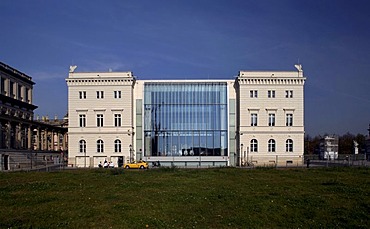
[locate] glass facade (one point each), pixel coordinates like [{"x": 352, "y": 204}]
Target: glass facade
[{"x": 185, "y": 119}]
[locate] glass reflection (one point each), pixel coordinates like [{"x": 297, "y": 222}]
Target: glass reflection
[{"x": 185, "y": 119}]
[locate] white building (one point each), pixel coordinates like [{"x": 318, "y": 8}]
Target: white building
[
  {"x": 100, "y": 112},
  {"x": 329, "y": 148},
  {"x": 271, "y": 117},
  {"x": 256, "y": 119}
]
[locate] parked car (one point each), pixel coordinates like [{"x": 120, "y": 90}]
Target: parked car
[{"x": 136, "y": 165}]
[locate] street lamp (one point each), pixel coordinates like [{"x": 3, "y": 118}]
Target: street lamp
[
  {"x": 130, "y": 146},
  {"x": 248, "y": 156},
  {"x": 85, "y": 157},
  {"x": 241, "y": 154}
]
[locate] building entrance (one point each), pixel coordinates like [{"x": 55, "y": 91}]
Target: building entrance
[{"x": 5, "y": 162}]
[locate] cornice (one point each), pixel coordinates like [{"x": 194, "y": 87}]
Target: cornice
[
  {"x": 104, "y": 82},
  {"x": 271, "y": 81}
]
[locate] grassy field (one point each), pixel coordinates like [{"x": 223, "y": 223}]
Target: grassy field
[{"x": 192, "y": 198}]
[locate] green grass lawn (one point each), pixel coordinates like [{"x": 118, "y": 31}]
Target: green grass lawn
[{"x": 186, "y": 198}]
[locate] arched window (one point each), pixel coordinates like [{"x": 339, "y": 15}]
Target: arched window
[
  {"x": 117, "y": 146},
  {"x": 82, "y": 145},
  {"x": 254, "y": 145},
  {"x": 100, "y": 146},
  {"x": 271, "y": 145},
  {"x": 289, "y": 145}
]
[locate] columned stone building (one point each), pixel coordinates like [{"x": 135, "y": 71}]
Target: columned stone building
[
  {"x": 256, "y": 119},
  {"x": 19, "y": 133},
  {"x": 16, "y": 108}
]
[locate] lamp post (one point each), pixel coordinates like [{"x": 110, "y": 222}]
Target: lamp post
[
  {"x": 248, "y": 156},
  {"x": 240, "y": 154},
  {"x": 31, "y": 157},
  {"x": 130, "y": 146}
]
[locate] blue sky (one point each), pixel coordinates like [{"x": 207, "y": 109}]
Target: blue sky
[{"x": 198, "y": 39}]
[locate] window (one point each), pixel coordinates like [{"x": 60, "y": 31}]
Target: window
[
  {"x": 271, "y": 119},
  {"x": 271, "y": 145},
  {"x": 82, "y": 144},
  {"x": 271, "y": 94},
  {"x": 117, "y": 94},
  {"x": 289, "y": 94},
  {"x": 100, "y": 146},
  {"x": 254, "y": 145},
  {"x": 100, "y": 94},
  {"x": 11, "y": 89},
  {"x": 19, "y": 96},
  {"x": 26, "y": 95},
  {"x": 289, "y": 119},
  {"x": 82, "y": 120},
  {"x": 3, "y": 91},
  {"x": 253, "y": 93},
  {"x": 117, "y": 146},
  {"x": 253, "y": 119},
  {"x": 117, "y": 120},
  {"x": 99, "y": 120},
  {"x": 82, "y": 94},
  {"x": 289, "y": 145}
]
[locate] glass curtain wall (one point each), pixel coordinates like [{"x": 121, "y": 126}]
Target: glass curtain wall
[{"x": 185, "y": 119}]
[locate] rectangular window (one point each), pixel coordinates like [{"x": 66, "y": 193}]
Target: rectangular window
[
  {"x": 117, "y": 120},
  {"x": 11, "y": 89},
  {"x": 100, "y": 94},
  {"x": 289, "y": 94},
  {"x": 99, "y": 120},
  {"x": 271, "y": 119},
  {"x": 253, "y": 93},
  {"x": 271, "y": 94},
  {"x": 26, "y": 95},
  {"x": 117, "y": 94},
  {"x": 82, "y": 94},
  {"x": 3, "y": 91},
  {"x": 82, "y": 120},
  {"x": 289, "y": 119},
  {"x": 253, "y": 119},
  {"x": 19, "y": 96}
]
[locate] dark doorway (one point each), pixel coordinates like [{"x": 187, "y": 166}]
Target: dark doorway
[
  {"x": 120, "y": 161},
  {"x": 6, "y": 162}
]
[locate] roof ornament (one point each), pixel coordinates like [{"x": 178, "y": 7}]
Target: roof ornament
[
  {"x": 72, "y": 68},
  {"x": 298, "y": 67}
]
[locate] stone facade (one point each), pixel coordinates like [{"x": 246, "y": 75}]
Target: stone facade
[
  {"x": 271, "y": 117},
  {"x": 265, "y": 120},
  {"x": 23, "y": 142},
  {"x": 100, "y": 113}
]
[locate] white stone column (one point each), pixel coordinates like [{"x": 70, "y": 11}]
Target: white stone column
[
  {"x": 58, "y": 141},
  {"x": 8, "y": 135},
  {"x": 6, "y": 87},
  {"x": 52, "y": 140},
  {"x": 29, "y": 138},
  {"x": 30, "y": 95}
]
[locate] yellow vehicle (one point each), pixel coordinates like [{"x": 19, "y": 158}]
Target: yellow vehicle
[{"x": 136, "y": 165}]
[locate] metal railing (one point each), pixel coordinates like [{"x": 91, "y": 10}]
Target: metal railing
[{"x": 32, "y": 160}]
